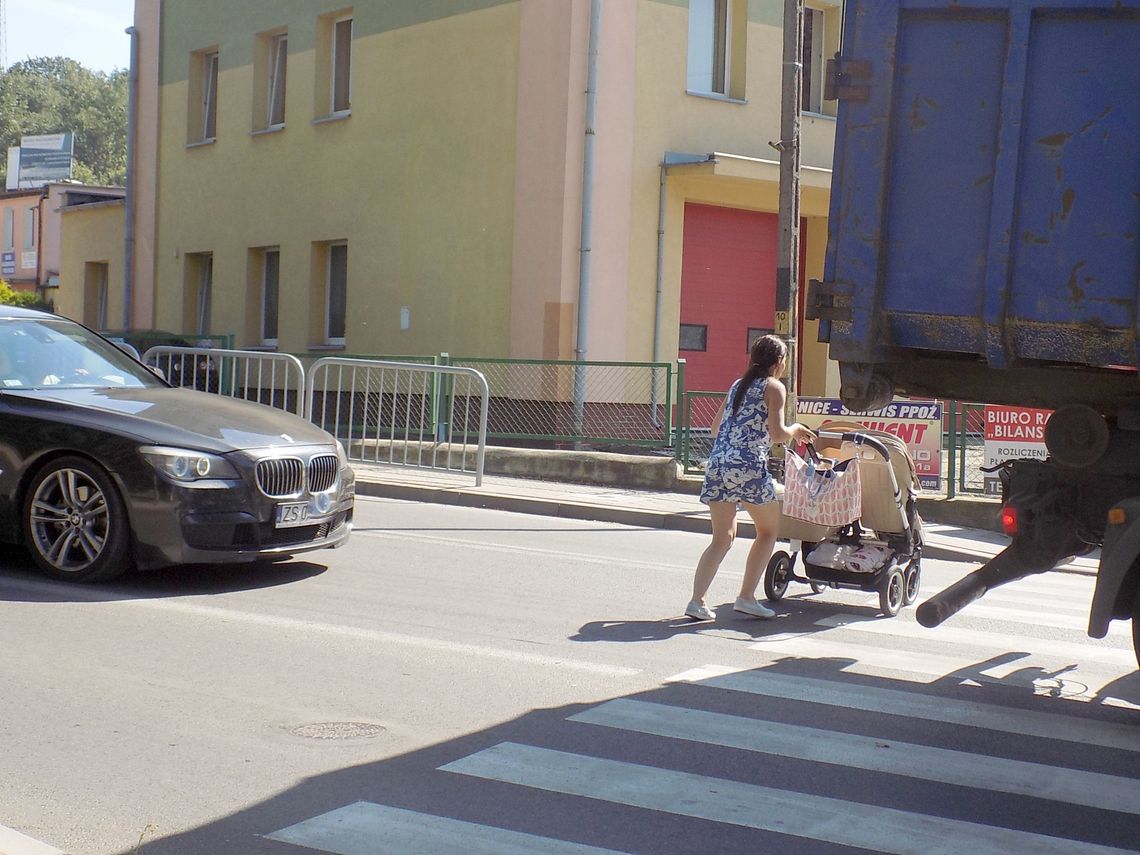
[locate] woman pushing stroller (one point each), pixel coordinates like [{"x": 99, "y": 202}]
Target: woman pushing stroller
[{"x": 745, "y": 427}]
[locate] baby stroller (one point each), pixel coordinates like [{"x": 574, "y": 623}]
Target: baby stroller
[{"x": 882, "y": 550}]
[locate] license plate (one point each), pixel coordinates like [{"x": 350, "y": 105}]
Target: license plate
[{"x": 292, "y": 514}]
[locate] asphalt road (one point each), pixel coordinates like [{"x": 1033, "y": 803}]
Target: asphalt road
[{"x": 465, "y": 680}]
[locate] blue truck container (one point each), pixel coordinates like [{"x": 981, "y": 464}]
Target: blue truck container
[
  {"x": 984, "y": 245},
  {"x": 985, "y": 208}
]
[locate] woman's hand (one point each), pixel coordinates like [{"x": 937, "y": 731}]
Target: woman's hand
[{"x": 802, "y": 433}]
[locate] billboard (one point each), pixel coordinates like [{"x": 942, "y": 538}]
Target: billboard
[
  {"x": 1012, "y": 433},
  {"x": 41, "y": 160},
  {"x": 916, "y": 423}
]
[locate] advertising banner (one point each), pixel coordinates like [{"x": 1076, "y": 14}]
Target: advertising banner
[
  {"x": 45, "y": 158},
  {"x": 916, "y": 423},
  {"x": 1012, "y": 433}
]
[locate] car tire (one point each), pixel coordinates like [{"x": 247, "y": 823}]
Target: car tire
[{"x": 75, "y": 524}]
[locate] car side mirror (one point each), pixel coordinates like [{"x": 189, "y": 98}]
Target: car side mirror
[{"x": 158, "y": 372}]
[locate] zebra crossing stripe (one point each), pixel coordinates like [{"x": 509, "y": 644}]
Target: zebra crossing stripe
[
  {"x": 880, "y": 829},
  {"x": 365, "y": 828},
  {"x": 904, "y": 627},
  {"x": 1085, "y": 684},
  {"x": 933, "y": 708},
  {"x": 997, "y": 774}
]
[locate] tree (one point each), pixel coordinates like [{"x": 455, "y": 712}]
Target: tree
[
  {"x": 25, "y": 299},
  {"x": 51, "y": 95}
]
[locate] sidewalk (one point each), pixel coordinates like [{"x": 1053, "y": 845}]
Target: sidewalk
[{"x": 676, "y": 508}]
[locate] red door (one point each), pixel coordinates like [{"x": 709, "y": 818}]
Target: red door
[{"x": 728, "y": 288}]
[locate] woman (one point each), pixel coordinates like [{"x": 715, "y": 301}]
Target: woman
[{"x": 751, "y": 420}]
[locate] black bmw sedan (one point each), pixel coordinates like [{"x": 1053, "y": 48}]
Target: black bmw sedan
[{"x": 105, "y": 467}]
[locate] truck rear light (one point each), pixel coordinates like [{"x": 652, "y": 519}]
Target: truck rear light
[{"x": 1009, "y": 520}]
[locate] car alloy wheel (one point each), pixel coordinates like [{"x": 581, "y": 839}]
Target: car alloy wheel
[{"x": 75, "y": 522}]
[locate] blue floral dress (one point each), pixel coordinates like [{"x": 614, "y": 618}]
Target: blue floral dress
[{"x": 737, "y": 469}]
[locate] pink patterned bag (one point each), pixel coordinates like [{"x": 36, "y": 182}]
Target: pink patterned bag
[{"x": 821, "y": 490}]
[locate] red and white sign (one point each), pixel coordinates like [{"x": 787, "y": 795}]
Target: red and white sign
[{"x": 1012, "y": 433}]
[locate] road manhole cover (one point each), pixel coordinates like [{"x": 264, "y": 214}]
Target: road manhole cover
[{"x": 338, "y": 730}]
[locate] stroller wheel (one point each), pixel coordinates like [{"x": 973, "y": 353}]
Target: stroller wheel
[
  {"x": 912, "y": 580},
  {"x": 818, "y": 587},
  {"x": 777, "y": 575},
  {"x": 891, "y": 592}
]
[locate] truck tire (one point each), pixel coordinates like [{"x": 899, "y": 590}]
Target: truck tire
[{"x": 1136, "y": 629}]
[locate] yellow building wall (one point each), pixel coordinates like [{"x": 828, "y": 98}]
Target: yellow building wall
[
  {"x": 91, "y": 234},
  {"x": 418, "y": 181},
  {"x": 669, "y": 119}
]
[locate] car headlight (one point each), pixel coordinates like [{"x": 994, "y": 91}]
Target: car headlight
[{"x": 184, "y": 466}]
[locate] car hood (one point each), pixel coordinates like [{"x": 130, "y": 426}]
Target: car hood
[{"x": 178, "y": 417}]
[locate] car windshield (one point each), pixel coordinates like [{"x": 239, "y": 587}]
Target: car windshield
[{"x": 44, "y": 353}]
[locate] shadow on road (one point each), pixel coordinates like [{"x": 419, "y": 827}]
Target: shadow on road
[{"x": 494, "y": 778}]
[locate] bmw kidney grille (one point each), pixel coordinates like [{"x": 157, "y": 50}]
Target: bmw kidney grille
[{"x": 279, "y": 477}]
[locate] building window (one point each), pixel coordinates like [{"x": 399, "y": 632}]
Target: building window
[
  {"x": 95, "y": 294},
  {"x": 198, "y": 292},
  {"x": 30, "y": 228},
  {"x": 755, "y": 333},
  {"x": 342, "y": 66},
  {"x": 278, "y": 57},
  {"x": 717, "y": 29},
  {"x": 814, "y": 59},
  {"x": 9, "y": 229},
  {"x": 336, "y": 291},
  {"x": 203, "y": 120},
  {"x": 270, "y": 284},
  {"x": 334, "y": 64},
  {"x": 694, "y": 337}
]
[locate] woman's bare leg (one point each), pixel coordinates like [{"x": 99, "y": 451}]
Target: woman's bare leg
[
  {"x": 766, "y": 518},
  {"x": 723, "y": 532}
]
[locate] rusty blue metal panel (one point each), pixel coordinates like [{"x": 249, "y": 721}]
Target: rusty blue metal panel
[{"x": 986, "y": 194}]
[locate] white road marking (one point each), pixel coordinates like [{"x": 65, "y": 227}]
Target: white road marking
[
  {"x": 984, "y": 639},
  {"x": 1046, "y": 677},
  {"x": 930, "y": 707},
  {"x": 803, "y": 815},
  {"x": 364, "y": 828},
  {"x": 997, "y": 774},
  {"x": 329, "y": 629},
  {"x": 13, "y": 842}
]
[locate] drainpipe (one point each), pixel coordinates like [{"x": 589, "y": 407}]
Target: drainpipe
[
  {"x": 582, "y": 342},
  {"x": 672, "y": 158},
  {"x": 129, "y": 202}
]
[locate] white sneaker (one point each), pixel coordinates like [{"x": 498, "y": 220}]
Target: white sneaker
[
  {"x": 699, "y": 611},
  {"x": 752, "y": 607}
]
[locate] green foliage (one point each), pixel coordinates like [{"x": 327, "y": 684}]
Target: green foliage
[
  {"x": 50, "y": 95},
  {"x": 9, "y": 296}
]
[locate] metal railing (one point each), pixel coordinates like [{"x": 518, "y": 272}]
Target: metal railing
[
  {"x": 402, "y": 413},
  {"x": 603, "y": 403},
  {"x": 274, "y": 379},
  {"x": 965, "y": 447}
]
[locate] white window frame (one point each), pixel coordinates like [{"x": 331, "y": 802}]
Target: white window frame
[
  {"x": 278, "y": 64},
  {"x": 9, "y": 229},
  {"x": 815, "y": 59},
  {"x": 710, "y": 47},
  {"x": 329, "y": 337},
  {"x": 266, "y": 339},
  {"x": 209, "y": 95},
  {"x": 205, "y": 288},
  {"x": 30, "y": 228},
  {"x": 334, "y": 61}
]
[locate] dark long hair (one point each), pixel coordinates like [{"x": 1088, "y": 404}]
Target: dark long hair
[{"x": 766, "y": 352}]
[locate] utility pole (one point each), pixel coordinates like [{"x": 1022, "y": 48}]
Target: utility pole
[{"x": 788, "y": 250}]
